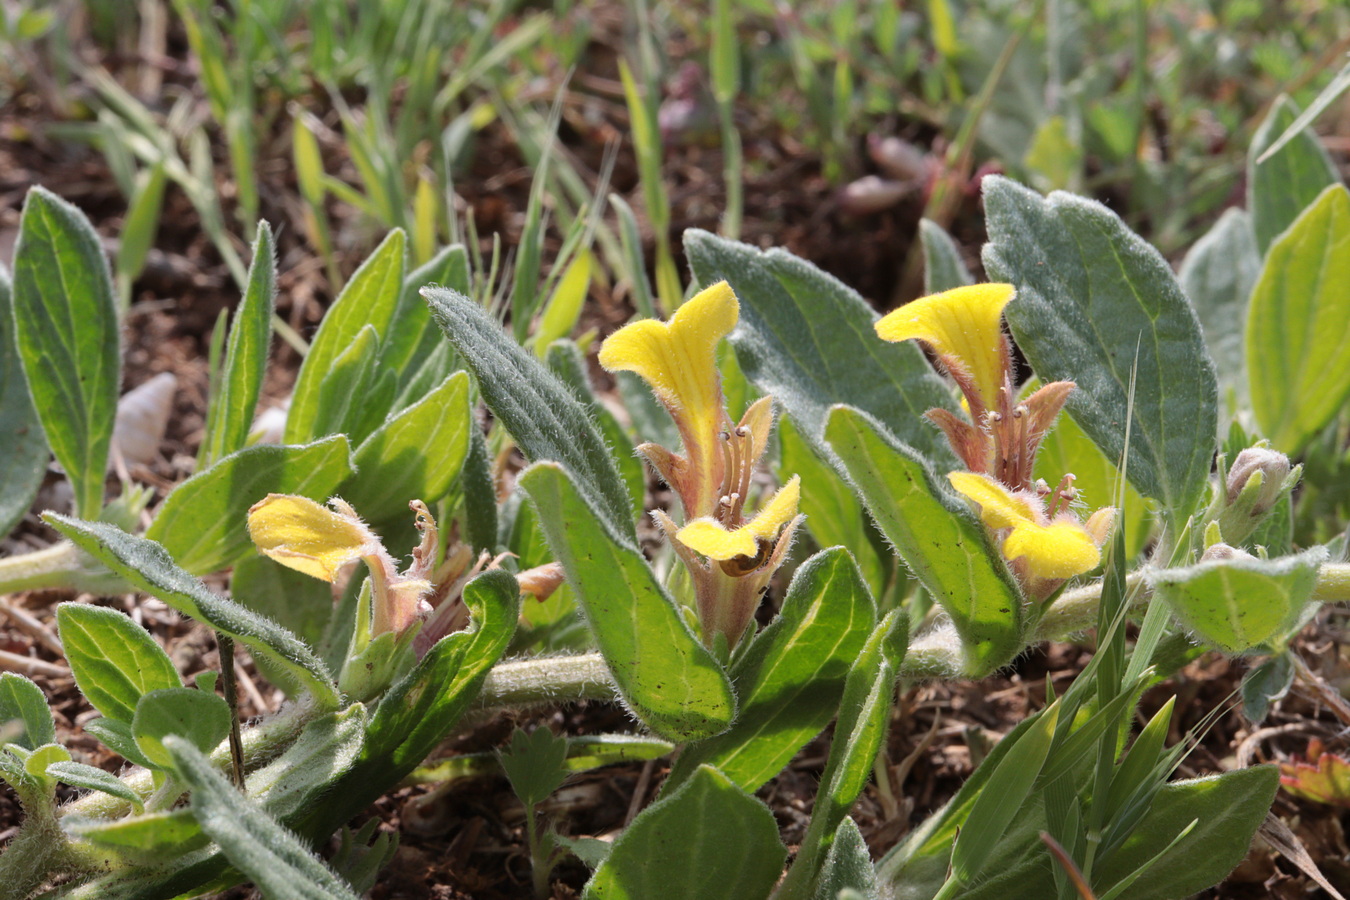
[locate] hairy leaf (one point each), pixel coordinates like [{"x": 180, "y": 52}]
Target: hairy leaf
[{"x": 1099, "y": 306}]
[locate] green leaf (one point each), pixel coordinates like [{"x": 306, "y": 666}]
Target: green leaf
[
  {"x": 346, "y": 393},
  {"x": 1238, "y": 604},
  {"x": 325, "y": 750},
  {"x": 22, "y": 701},
  {"x": 147, "y": 567},
  {"x": 369, "y": 300},
  {"x": 230, "y": 415},
  {"x": 282, "y": 866},
  {"x": 115, "y": 661},
  {"x": 565, "y": 359},
  {"x": 809, "y": 340},
  {"x": 707, "y": 841},
  {"x": 834, "y": 514},
  {"x": 1226, "y": 809},
  {"x": 1218, "y": 275},
  {"x": 1299, "y": 324},
  {"x": 665, "y": 676},
  {"x": 790, "y": 680},
  {"x": 1096, "y": 303},
  {"x": 1266, "y": 684},
  {"x": 203, "y": 524},
  {"x": 480, "y": 494},
  {"x": 945, "y": 547},
  {"x": 412, "y": 334},
  {"x": 943, "y": 268},
  {"x": 1008, "y": 786},
  {"x": 23, "y": 446},
  {"x": 65, "y": 322},
  {"x": 864, "y": 714},
  {"x": 535, "y": 763},
  {"x": 116, "y": 736},
  {"x": 539, "y": 411},
  {"x": 848, "y": 865},
  {"x": 93, "y": 779},
  {"x": 294, "y": 600},
  {"x": 564, "y": 307},
  {"x": 414, "y": 455},
  {"x": 1282, "y": 186},
  {"x": 199, "y": 717},
  {"x": 420, "y": 710},
  {"x": 148, "y": 838}
]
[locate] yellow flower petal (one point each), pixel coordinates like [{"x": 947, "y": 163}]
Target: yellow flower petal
[
  {"x": 679, "y": 358},
  {"x": 307, "y": 536},
  {"x": 963, "y": 327},
  {"x": 999, "y": 507},
  {"x": 709, "y": 538},
  {"x": 1058, "y": 550}
]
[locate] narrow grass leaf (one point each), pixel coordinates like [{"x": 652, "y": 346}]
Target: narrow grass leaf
[
  {"x": 541, "y": 413},
  {"x": 1095, "y": 303},
  {"x": 23, "y": 446},
  {"x": 276, "y": 860},
  {"x": 1299, "y": 325},
  {"x": 564, "y": 305},
  {"x": 943, "y": 544},
  {"x": 1282, "y": 185},
  {"x": 115, "y": 661},
  {"x": 1327, "y": 96},
  {"x": 1001, "y": 798},
  {"x": 790, "y": 681},
  {"x": 666, "y": 677},
  {"x": 68, "y": 337},
  {"x": 733, "y": 853},
  {"x": 810, "y": 341},
  {"x": 203, "y": 524},
  {"x": 369, "y": 299},
  {"x": 147, "y": 567},
  {"x": 231, "y": 410}
]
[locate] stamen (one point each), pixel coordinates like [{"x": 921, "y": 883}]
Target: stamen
[{"x": 728, "y": 469}]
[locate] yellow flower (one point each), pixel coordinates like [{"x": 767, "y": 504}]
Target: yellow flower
[
  {"x": 679, "y": 360},
  {"x": 309, "y": 537},
  {"x": 1055, "y": 549},
  {"x": 714, "y": 540},
  {"x": 963, "y": 328}
]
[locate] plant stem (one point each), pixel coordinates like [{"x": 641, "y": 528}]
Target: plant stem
[
  {"x": 1076, "y": 610},
  {"x": 62, "y": 565},
  {"x": 551, "y": 679}
]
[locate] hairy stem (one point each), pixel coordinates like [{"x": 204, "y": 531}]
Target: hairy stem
[{"x": 62, "y": 565}]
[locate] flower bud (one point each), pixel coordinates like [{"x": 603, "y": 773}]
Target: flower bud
[
  {"x": 1224, "y": 551},
  {"x": 1258, "y": 475}
]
